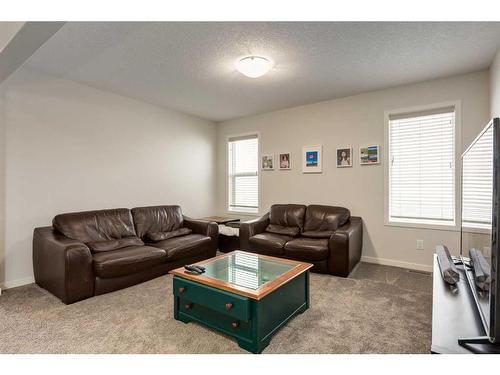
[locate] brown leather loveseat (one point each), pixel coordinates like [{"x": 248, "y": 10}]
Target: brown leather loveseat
[
  {"x": 94, "y": 252},
  {"x": 326, "y": 236}
]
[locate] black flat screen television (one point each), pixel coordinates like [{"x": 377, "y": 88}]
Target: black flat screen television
[{"x": 480, "y": 222}]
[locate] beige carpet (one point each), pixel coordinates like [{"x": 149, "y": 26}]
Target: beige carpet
[{"x": 379, "y": 309}]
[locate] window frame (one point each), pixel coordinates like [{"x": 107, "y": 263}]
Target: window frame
[
  {"x": 226, "y": 190},
  {"x": 458, "y": 166},
  {"x": 465, "y": 228}
]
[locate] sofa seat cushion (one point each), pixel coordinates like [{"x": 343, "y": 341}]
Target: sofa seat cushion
[
  {"x": 318, "y": 234},
  {"x": 269, "y": 243},
  {"x": 127, "y": 261},
  {"x": 184, "y": 246},
  {"x": 313, "y": 249}
]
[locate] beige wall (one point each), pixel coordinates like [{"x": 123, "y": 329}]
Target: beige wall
[
  {"x": 495, "y": 86},
  {"x": 70, "y": 147},
  {"x": 354, "y": 121}
]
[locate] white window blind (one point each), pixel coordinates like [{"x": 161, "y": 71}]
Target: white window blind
[
  {"x": 477, "y": 182},
  {"x": 422, "y": 167},
  {"x": 243, "y": 174}
]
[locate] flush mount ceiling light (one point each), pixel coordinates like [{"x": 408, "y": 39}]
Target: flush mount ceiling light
[{"x": 253, "y": 66}]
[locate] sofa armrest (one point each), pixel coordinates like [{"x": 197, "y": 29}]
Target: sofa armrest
[
  {"x": 62, "y": 265},
  {"x": 345, "y": 247},
  {"x": 206, "y": 228},
  {"x": 251, "y": 228}
]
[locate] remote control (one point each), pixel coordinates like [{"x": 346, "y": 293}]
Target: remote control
[
  {"x": 200, "y": 268},
  {"x": 193, "y": 269}
]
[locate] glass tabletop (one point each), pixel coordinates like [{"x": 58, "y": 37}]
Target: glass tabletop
[{"x": 245, "y": 270}]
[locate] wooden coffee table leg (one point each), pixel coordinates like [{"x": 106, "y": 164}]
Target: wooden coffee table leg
[
  {"x": 177, "y": 316},
  {"x": 307, "y": 290},
  {"x": 254, "y": 347}
]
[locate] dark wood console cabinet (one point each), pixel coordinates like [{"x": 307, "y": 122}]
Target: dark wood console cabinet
[{"x": 454, "y": 315}]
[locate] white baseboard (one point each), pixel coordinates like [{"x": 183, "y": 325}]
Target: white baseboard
[
  {"x": 397, "y": 263},
  {"x": 16, "y": 283}
]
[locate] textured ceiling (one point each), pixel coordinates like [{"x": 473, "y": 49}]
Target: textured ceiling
[{"x": 190, "y": 66}]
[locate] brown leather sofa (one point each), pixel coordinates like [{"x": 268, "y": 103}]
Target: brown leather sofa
[
  {"x": 326, "y": 236},
  {"x": 84, "y": 254}
]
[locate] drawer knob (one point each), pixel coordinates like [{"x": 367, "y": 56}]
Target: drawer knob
[
  {"x": 182, "y": 290},
  {"x": 188, "y": 306},
  {"x": 235, "y": 324},
  {"x": 229, "y": 306}
]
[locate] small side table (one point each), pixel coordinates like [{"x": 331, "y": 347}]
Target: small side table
[
  {"x": 229, "y": 238},
  {"x": 220, "y": 219}
]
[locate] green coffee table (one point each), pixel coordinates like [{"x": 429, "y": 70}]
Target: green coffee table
[{"x": 244, "y": 295}]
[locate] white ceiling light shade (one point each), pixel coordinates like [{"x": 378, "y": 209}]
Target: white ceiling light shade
[{"x": 254, "y": 66}]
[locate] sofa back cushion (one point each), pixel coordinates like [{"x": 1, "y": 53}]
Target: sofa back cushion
[
  {"x": 287, "y": 231},
  {"x": 318, "y": 234},
  {"x": 161, "y": 236},
  {"x": 156, "y": 219},
  {"x": 96, "y": 226},
  {"x": 325, "y": 218},
  {"x": 108, "y": 245},
  {"x": 287, "y": 215}
]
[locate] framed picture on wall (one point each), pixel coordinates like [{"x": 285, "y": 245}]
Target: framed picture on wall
[
  {"x": 344, "y": 157},
  {"x": 267, "y": 162},
  {"x": 312, "y": 159},
  {"x": 285, "y": 161},
  {"x": 369, "y": 155}
]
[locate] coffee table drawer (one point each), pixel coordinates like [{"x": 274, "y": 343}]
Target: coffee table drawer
[
  {"x": 221, "y": 301},
  {"x": 222, "y": 322}
]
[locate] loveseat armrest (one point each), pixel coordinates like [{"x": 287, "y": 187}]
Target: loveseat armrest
[
  {"x": 62, "y": 265},
  {"x": 345, "y": 247},
  {"x": 206, "y": 228},
  {"x": 251, "y": 228}
]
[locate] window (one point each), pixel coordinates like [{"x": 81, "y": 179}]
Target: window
[
  {"x": 243, "y": 174},
  {"x": 477, "y": 183},
  {"x": 421, "y": 175}
]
